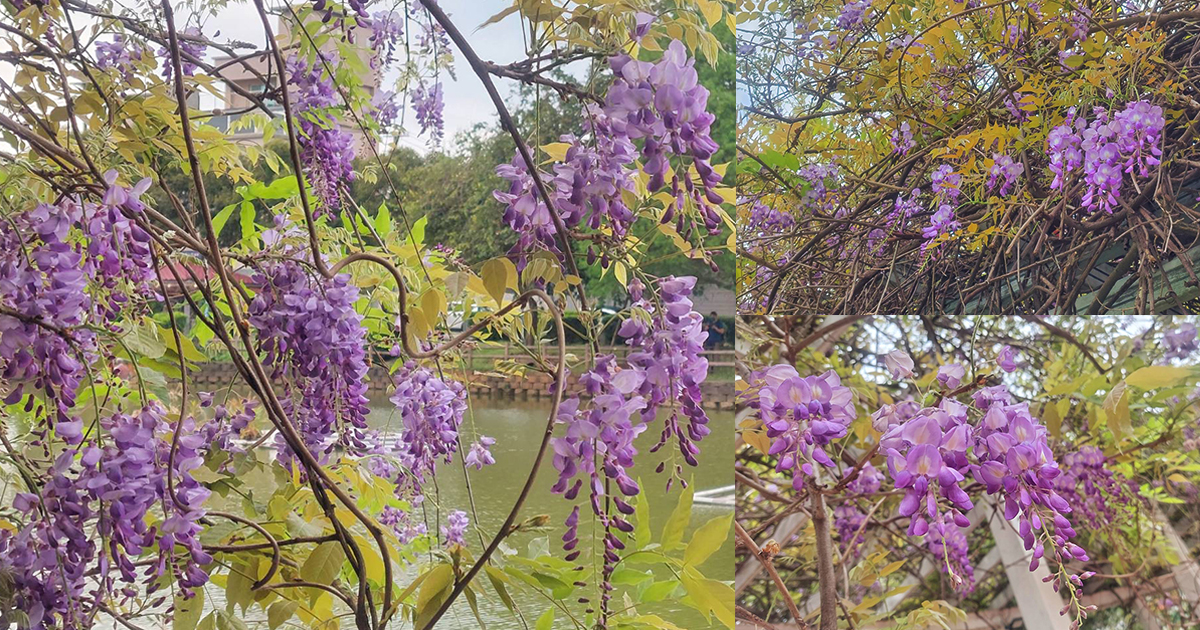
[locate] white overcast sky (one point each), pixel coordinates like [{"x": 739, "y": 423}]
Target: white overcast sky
[{"x": 467, "y": 103}]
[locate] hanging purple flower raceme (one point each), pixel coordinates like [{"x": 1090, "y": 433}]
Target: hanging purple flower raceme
[
  {"x": 455, "y": 528},
  {"x": 314, "y": 342},
  {"x": 118, "y": 55},
  {"x": 112, "y": 488},
  {"x": 663, "y": 104},
  {"x": 586, "y": 187},
  {"x": 1097, "y": 494},
  {"x": 54, "y": 288},
  {"x": 387, "y": 31},
  {"x": 1107, "y": 148},
  {"x": 1180, "y": 341},
  {"x": 947, "y": 542},
  {"x": 597, "y": 448},
  {"x": 431, "y": 411},
  {"x": 191, "y": 49},
  {"x": 427, "y": 102},
  {"x": 945, "y": 194},
  {"x": 802, "y": 415},
  {"x": 902, "y": 138},
  {"x": 1005, "y": 173},
  {"x": 326, "y": 149}
]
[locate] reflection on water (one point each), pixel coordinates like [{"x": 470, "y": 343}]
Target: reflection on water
[{"x": 517, "y": 427}]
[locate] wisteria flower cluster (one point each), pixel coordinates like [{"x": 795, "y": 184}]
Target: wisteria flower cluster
[
  {"x": 933, "y": 453},
  {"x": 191, "y": 49},
  {"x": 664, "y": 367},
  {"x": 114, "y": 485},
  {"x": 1180, "y": 341},
  {"x": 802, "y": 415},
  {"x": 431, "y": 412},
  {"x": 1107, "y": 148},
  {"x": 313, "y": 340},
  {"x": 326, "y": 149},
  {"x": 946, "y": 191},
  {"x": 659, "y": 104},
  {"x": 53, "y": 288}
]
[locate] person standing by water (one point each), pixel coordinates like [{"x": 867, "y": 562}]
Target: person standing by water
[{"x": 716, "y": 331}]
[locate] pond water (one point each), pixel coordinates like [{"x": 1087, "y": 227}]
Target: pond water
[{"x": 517, "y": 428}]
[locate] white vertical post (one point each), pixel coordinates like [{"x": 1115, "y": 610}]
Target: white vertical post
[{"x": 1037, "y": 601}]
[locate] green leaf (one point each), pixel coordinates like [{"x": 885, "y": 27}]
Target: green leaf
[
  {"x": 440, "y": 578},
  {"x": 383, "y": 221},
  {"x": 226, "y": 621},
  {"x": 1116, "y": 409},
  {"x": 641, "y": 518},
  {"x": 546, "y": 621},
  {"x": 672, "y": 533},
  {"x": 707, "y": 540},
  {"x": 143, "y": 339},
  {"x": 497, "y": 578},
  {"x": 1155, "y": 376},
  {"x": 223, "y": 217},
  {"x": 247, "y": 220},
  {"x": 710, "y": 597},
  {"x": 418, "y": 231},
  {"x": 499, "y": 275},
  {"x": 658, "y": 591},
  {"x": 324, "y": 564},
  {"x": 281, "y": 611},
  {"x": 188, "y": 611}
]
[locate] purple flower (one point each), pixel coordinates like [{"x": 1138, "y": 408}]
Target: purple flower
[
  {"x": 801, "y": 415},
  {"x": 479, "y": 455},
  {"x": 191, "y": 46},
  {"x": 1180, "y": 341},
  {"x": 326, "y": 149},
  {"x": 431, "y": 411},
  {"x": 902, "y": 139},
  {"x": 427, "y": 102},
  {"x": 642, "y": 23},
  {"x": 951, "y": 375},
  {"x": 1007, "y": 359},
  {"x": 1005, "y": 172},
  {"x": 898, "y": 363},
  {"x": 455, "y": 528}
]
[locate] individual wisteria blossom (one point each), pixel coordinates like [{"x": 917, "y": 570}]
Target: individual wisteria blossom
[
  {"x": 428, "y": 104},
  {"x": 1107, "y": 148},
  {"x": 191, "y": 49},
  {"x": 431, "y": 412},
  {"x": 1005, "y": 173},
  {"x": 1007, "y": 358},
  {"x": 642, "y": 23},
  {"x": 479, "y": 455},
  {"x": 1180, "y": 341},
  {"x": 951, "y": 375},
  {"x": 898, "y": 363},
  {"x": 902, "y": 138},
  {"x": 455, "y": 528},
  {"x": 314, "y": 342},
  {"x": 326, "y": 149},
  {"x": 802, "y": 415}
]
